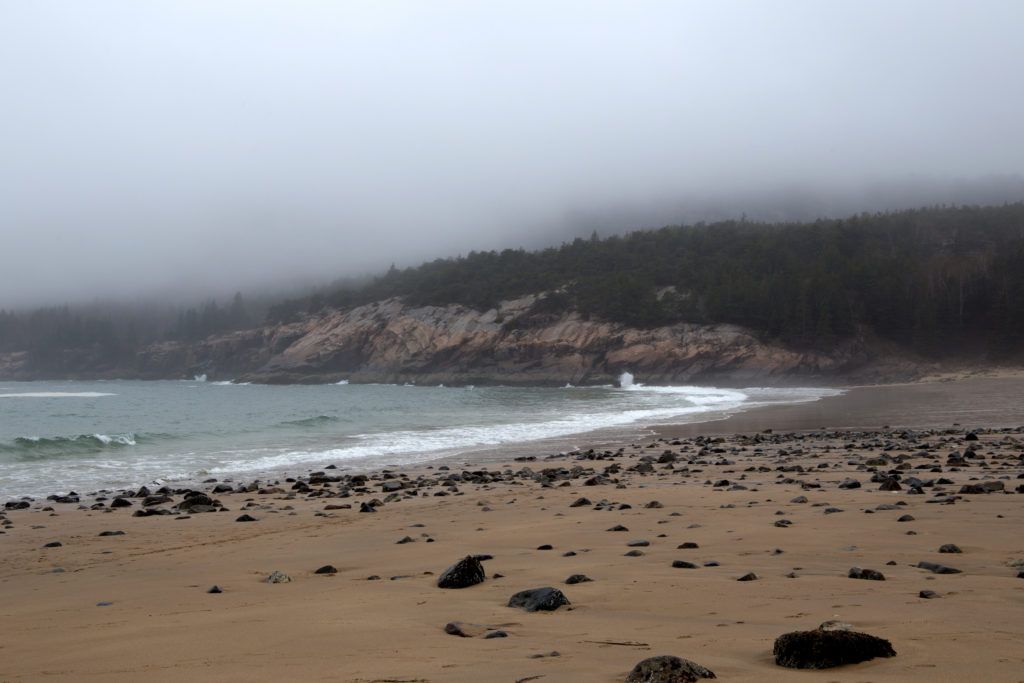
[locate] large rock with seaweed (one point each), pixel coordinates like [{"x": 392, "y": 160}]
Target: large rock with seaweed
[
  {"x": 824, "y": 649},
  {"x": 667, "y": 669}
]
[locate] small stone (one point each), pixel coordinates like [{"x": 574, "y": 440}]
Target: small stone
[
  {"x": 869, "y": 574},
  {"x": 407, "y": 539},
  {"x": 667, "y": 669},
  {"x": 578, "y": 578},
  {"x": 215, "y": 589},
  {"x": 278, "y": 577},
  {"x": 546, "y": 546},
  {"x": 546, "y": 598},
  {"x": 53, "y": 544},
  {"x": 111, "y": 533},
  {"x": 906, "y": 518},
  {"x": 749, "y": 576},
  {"x": 618, "y": 527},
  {"x": 950, "y": 548},
  {"x": 634, "y": 553},
  {"x": 686, "y": 546},
  {"x": 928, "y": 595},
  {"x": 465, "y": 629},
  {"x": 327, "y": 569},
  {"x": 936, "y": 568},
  {"x": 246, "y": 518},
  {"x": 683, "y": 564}
]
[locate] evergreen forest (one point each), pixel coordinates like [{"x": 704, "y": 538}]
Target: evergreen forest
[{"x": 940, "y": 282}]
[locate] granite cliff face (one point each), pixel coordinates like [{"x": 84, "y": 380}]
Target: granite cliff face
[{"x": 516, "y": 343}]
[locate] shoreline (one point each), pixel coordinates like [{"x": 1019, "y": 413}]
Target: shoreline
[{"x": 133, "y": 605}]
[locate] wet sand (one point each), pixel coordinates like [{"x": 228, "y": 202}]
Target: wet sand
[{"x": 724, "y": 493}]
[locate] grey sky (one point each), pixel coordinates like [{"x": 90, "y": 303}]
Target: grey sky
[{"x": 203, "y": 146}]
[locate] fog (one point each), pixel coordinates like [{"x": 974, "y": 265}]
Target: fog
[{"x": 193, "y": 148}]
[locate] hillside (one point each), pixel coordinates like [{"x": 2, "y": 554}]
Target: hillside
[{"x": 863, "y": 296}]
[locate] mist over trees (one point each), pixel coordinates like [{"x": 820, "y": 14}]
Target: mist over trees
[
  {"x": 940, "y": 282},
  {"x": 937, "y": 280}
]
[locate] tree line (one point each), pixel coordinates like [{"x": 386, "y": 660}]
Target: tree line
[{"x": 939, "y": 281}]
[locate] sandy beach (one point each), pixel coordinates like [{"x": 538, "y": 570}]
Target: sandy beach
[{"x": 136, "y": 606}]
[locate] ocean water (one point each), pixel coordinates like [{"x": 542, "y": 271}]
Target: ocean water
[{"x": 57, "y": 437}]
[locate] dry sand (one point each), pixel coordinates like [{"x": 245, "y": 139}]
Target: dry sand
[{"x": 161, "y": 624}]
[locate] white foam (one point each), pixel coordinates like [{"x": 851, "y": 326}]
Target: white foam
[{"x": 57, "y": 394}]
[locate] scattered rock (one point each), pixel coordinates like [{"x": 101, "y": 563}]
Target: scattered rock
[
  {"x": 936, "y": 568},
  {"x": 215, "y": 589},
  {"x": 111, "y": 533},
  {"x": 465, "y": 629},
  {"x": 667, "y": 669},
  {"x": 950, "y": 548},
  {"x": 327, "y": 569},
  {"x": 278, "y": 577},
  {"x": 246, "y": 518},
  {"x": 869, "y": 574},
  {"x": 749, "y": 576},
  {"x": 546, "y": 598},
  {"x": 466, "y": 572},
  {"x": 928, "y": 595},
  {"x": 825, "y": 649},
  {"x": 578, "y": 578},
  {"x": 683, "y": 564}
]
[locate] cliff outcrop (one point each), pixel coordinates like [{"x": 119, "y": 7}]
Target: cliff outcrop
[{"x": 517, "y": 343}]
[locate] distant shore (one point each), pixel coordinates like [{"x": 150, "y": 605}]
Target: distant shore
[{"x": 131, "y": 606}]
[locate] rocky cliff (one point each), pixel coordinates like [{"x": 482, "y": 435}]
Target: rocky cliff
[{"x": 517, "y": 343}]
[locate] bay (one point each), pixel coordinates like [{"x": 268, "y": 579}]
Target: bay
[{"x": 57, "y": 437}]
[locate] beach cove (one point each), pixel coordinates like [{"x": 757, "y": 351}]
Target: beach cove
[{"x": 712, "y": 495}]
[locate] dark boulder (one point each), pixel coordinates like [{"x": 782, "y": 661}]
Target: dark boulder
[
  {"x": 869, "y": 574},
  {"x": 546, "y": 598},
  {"x": 825, "y": 649},
  {"x": 667, "y": 669},
  {"x": 466, "y": 572},
  {"x": 889, "y": 484},
  {"x": 950, "y": 548},
  {"x": 683, "y": 564},
  {"x": 327, "y": 569},
  {"x": 194, "y": 500}
]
